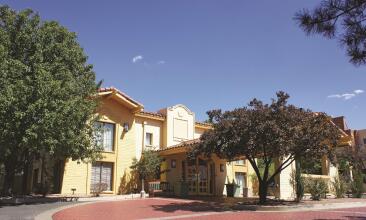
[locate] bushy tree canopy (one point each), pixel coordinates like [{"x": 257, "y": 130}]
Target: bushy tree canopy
[
  {"x": 148, "y": 166},
  {"x": 47, "y": 90},
  {"x": 342, "y": 19},
  {"x": 269, "y": 132}
]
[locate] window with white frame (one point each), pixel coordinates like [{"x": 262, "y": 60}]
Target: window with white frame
[
  {"x": 101, "y": 176},
  {"x": 149, "y": 139},
  {"x": 240, "y": 162},
  {"x": 104, "y": 135}
]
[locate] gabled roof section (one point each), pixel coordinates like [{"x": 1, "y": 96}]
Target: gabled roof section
[{"x": 121, "y": 97}]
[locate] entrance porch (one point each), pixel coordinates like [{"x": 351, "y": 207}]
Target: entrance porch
[{"x": 202, "y": 176}]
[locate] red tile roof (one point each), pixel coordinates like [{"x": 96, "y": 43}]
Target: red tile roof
[
  {"x": 152, "y": 114},
  {"x": 182, "y": 144},
  {"x": 203, "y": 124}
]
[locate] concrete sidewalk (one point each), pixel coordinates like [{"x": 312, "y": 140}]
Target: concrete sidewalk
[{"x": 36, "y": 206}]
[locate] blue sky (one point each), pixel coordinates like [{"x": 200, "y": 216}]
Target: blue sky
[{"x": 211, "y": 54}]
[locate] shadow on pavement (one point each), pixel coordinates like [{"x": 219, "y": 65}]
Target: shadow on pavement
[{"x": 191, "y": 206}]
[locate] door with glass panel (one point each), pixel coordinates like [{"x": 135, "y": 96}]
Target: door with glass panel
[
  {"x": 240, "y": 180},
  {"x": 192, "y": 177},
  {"x": 202, "y": 176},
  {"x": 198, "y": 177}
]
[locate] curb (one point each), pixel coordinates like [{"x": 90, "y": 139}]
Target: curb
[
  {"x": 297, "y": 208},
  {"x": 47, "y": 215}
]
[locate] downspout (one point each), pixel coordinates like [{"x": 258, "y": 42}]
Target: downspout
[
  {"x": 142, "y": 193},
  {"x": 116, "y": 160},
  {"x": 87, "y": 178},
  {"x": 143, "y": 137}
]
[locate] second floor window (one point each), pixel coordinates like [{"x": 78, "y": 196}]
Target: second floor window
[
  {"x": 364, "y": 141},
  {"x": 149, "y": 139},
  {"x": 105, "y": 135},
  {"x": 240, "y": 162}
]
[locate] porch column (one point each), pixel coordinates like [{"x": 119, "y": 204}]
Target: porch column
[
  {"x": 163, "y": 167},
  {"x": 284, "y": 189}
]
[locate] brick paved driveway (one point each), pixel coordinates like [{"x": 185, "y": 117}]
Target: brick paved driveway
[{"x": 185, "y": 209}]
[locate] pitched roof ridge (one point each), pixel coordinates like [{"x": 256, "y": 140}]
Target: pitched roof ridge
[{"x": 113, "y": 89}]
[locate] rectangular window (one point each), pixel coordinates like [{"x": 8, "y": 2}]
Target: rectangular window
[
  {"x": 222, "y": 167},
  {"x": 101, "y": 178},
  {"x": 173, "y": 163},
  {"x": 364, "y": 141},
  {"x": 183, "y": 171},
  {"x": 240, "y": 162},
  {"x": 105, "y": 135},
  {"x": 149, "y": 139}
]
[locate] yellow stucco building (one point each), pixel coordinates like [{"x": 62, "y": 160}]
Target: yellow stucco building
[{"x": 129, "y": 130}]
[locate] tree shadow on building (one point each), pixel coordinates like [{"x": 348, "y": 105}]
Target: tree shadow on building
[{"x": 128, "y": 183}]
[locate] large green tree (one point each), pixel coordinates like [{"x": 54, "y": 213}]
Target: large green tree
[
  {"x": 271, "y": 133},
  {"x": 341, "y": 19},
  {"x": 47, "y": 93}
]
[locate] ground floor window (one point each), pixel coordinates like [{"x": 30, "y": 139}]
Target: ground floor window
[
  {"x": 102, "y": 176},
  {"x": 241, "y": 179}
]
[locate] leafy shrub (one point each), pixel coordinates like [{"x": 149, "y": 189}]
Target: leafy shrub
[
  {"x": 98, "y": 188},
  {"x": 297, "y": 182},
  {"x": 339, "y": 186},
  {"x": 317, "y": 187},
  {"x": 357, "y": 185},
  {"x": 255, "y": 184}
]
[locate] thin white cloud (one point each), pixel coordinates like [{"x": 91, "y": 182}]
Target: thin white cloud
[
  {"x": 161, "y": 62},
  {"x": 358, "y": 91},
  {"x": 137, "y": 58},
  {"x": 347, "y": 96}
]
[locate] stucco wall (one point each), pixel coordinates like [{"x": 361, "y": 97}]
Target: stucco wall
[
  {"x": 143, "y": 126},
  {"x": 179, "y": 124},
  {"x": 361, "y": 135},
  {"x": 198, "y": 132},
  {"x": 79, "y": 175}
]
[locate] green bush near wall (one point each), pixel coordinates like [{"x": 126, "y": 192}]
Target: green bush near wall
[
  {"x": 340, "y": 187},
  {"x": 357, "y": 184},
  {"x": 317, "y": 187}
]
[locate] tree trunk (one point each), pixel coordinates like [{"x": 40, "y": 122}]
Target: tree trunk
[
  {"x": 27, "y": 171},
  {"x": 25, "y": 178},
  {"x": 44, "y": 182},
  {"x": 263, "y": 188},
  {"x": 8, "y": 184}
]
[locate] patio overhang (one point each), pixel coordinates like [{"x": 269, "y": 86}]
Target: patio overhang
[{"x": 178, "y": 148}]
